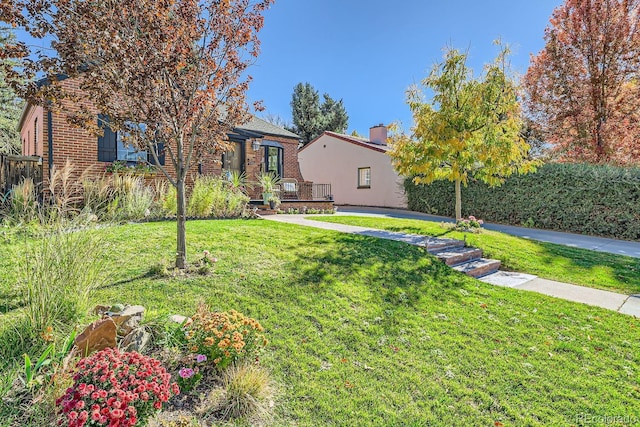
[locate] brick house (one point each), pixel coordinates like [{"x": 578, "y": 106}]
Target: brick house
[{"x": 259, "y": 147}]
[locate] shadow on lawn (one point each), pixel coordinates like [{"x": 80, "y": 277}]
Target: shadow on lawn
[
  {"x": 11, "y": 300},
  {"x": 396, "y": 272}
]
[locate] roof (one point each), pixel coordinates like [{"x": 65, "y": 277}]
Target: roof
[
  {"x": 362, "y": 142},
  {"x": 258, "y": 125}
]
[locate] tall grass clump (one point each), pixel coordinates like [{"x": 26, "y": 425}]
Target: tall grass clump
[
  {"x": 22, "y": 204},
  {"x": 133, "y": 199},
  {"x": 248, "y": 392},
  {"x": 57, "y": 276},
  {"x": 206, "y": 191},
  {"x": 214, "y": 196}
]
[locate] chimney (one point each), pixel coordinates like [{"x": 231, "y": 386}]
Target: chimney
[{"x": 378, "y": 134}]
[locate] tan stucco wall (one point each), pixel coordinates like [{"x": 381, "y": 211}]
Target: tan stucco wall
[
  {"x": 28, "y": 131},
  {"x": 330, "y": 160}
]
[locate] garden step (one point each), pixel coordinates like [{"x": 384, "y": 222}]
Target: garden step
[
  {"x": 457, "y": 256},
  {"x": 436, "y": 244},
  {"x": 478, "y": 267}
]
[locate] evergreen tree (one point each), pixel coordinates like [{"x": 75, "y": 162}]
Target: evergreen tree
[
  {"x": 334, "y": 114},
  {"x": 311, "y": 118},
  {"x": 10, "y": 107}
]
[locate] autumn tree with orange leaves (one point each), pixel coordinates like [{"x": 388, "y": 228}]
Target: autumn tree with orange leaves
[
  {"x": 584, "y": 87},
  {"x": 160, "y": 71}
]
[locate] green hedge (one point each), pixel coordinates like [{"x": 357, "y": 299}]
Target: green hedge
[{"x": 588, "y": 199}]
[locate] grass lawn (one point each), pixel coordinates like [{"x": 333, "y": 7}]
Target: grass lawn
[
  {"x": 600, "y": 270},
  {"x": 372, "y": 332}
]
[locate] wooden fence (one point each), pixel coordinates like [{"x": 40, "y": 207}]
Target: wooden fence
[{"x": 15, "y": 169}]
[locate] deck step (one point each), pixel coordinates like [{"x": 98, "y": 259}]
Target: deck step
[
  {"x": 478, "y": 267},
  {"x": 436, "y": 244},
  {"x": 457, "y": 256}
]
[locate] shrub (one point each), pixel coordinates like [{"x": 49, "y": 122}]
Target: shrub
[
  {"x": 166, "y": 199},
  {"x": 224, "y": 337},
  {"x": 579, "y": 198},
  {"x": 58, "y": 274},
  {"x": 470, "y": 224},
  {"x": 115, "y": 389},
  {"x": 215, "y": 196},
  {"x": 248, "y": 392}
]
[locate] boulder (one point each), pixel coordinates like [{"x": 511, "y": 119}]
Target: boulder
[
  {"x": 136, "y": 340},
  {"x": 128, "y": 319},
  {"x": 180, "y": 319},
  {"x": 100, "y": 309},
  {"x": 97, "y": 336}
]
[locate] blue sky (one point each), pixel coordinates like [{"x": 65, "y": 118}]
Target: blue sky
[{"x": 369, "y": 52}]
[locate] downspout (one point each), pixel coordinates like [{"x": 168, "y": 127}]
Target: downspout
[{"x": 50, "y": 140}]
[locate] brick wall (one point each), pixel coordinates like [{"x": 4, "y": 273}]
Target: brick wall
[{"x": 81, "y": 149}]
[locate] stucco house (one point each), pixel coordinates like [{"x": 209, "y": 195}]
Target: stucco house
[
  {"x": 358, "y": 169},
  {"x": 259, "y": 147}
]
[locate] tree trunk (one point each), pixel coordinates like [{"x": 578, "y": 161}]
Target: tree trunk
[
  {"x": 458, "y": 200},
  {"x": 181, "y": 251}
]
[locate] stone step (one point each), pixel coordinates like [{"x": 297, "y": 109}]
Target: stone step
[
  {"x": 437, "y": 244},
  {"x": 457, "y": 256},
  {"x": 266, "y": 211},
  {"x": 478, "y": 267}
]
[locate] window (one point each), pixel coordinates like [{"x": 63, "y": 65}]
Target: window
[
  {"x": 112, "y": 147},
  {"x": 35, "y": 137},
  {"x": 127, "y": 152},
  {"x": 364, "y": 177},
  {"x": 273, "y": 160},
  {"x": 232, "y": 160}
]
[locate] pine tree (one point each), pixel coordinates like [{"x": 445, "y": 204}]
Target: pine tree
[
  {"x": 311, "y": 118},
  {"x": 10, "y": 107}
]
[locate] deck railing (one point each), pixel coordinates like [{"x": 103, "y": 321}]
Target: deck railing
[{"x": 304, "y": 191}]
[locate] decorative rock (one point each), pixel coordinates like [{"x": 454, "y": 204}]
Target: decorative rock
[
  {"x": 133, "y": 311},
  {"x": 125, "y": 328},
  {"x": 116, "y": 308},
  {"x": 180, "y": 319},
  {"x": 97, "y": 336},
  {"x": 128, "y": 319},
  {"x": 100, "y": 309},
  {"x": 137, "y": 340}
]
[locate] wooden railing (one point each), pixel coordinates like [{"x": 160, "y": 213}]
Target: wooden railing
[
  {"x": 298, "y": 191},
  {"x": 14, "y": 169}
]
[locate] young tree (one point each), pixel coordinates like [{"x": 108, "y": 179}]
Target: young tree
[
  {"x": 470, "y": 128},
  {"x": 169, "y": 74},
  {"x": 10, "y": 106},
  {"x": 311, "y": 118},
  {"x": 583, "y": 86}
]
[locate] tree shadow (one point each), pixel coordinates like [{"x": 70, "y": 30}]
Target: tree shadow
[{"x": 398, "y": 273}]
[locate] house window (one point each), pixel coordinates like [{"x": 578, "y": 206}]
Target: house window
[
  {"x": 274, "y": 160},
  {"x": 233, "y": 160},
  {"x": 35, "y": 137},
  {"x": 112, "y": 147},
  {"x": 127, "y": 152},
  {"x": 364, "y": 177}
]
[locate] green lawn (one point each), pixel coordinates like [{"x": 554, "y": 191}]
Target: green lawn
[
  {"x": 600, "y": 270},
  {"x": 372, "y": 332}
]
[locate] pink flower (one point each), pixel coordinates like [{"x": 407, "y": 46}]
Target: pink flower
[
  {"x": 201, "y": 358},
  {"x": 186, "y": 373},
  {"x": 472, "y": 218}
]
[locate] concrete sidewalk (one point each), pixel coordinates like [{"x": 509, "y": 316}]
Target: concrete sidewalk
[
  {"x": 610, "y": 300},
  {"x": 593, "y": 243}
]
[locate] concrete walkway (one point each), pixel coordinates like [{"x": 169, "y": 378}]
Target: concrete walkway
[
  {"x": 610, "y": 300},
  {"x": 600, "y": 244}
]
